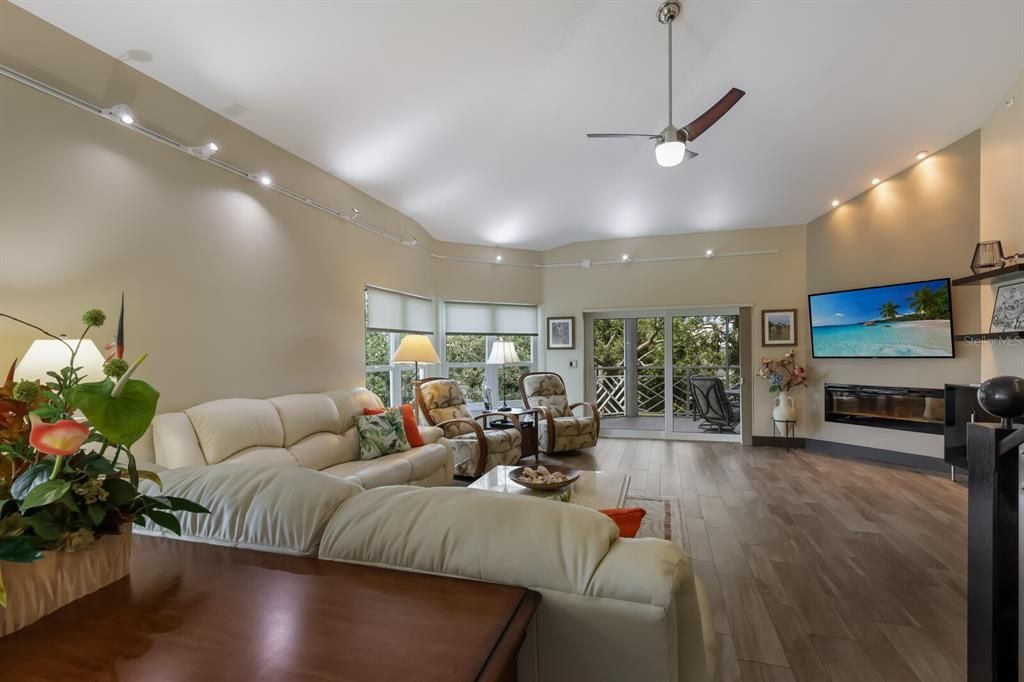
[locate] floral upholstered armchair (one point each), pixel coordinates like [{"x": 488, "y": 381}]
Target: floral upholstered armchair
[
  {"x": 476, "y": 448},
  {"x": 560, "y": 430}
]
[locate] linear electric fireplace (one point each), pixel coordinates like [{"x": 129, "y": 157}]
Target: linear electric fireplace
[{"x": 886, "y": 407}]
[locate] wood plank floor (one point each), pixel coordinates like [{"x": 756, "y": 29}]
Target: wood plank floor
[{"x": 817, "y": 568}]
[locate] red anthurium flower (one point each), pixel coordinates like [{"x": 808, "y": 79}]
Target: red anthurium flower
[{"x": 60, "y": 439}]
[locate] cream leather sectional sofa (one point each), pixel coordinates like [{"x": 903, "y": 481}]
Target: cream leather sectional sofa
[
  {"x": 310, "y": 430},
  {"x": 612, "y": 609}
]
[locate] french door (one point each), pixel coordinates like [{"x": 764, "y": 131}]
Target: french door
[{"x": 639, "y": 365}]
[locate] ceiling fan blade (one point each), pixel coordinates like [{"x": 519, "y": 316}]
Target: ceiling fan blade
[
  {"x": 608, "y": 135},
  {"x": 711, "y": 116},
  {"x": 690, "y": 154}
]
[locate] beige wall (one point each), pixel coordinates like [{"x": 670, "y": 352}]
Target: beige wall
[
  {"x": 232, "y": 289},
  {"x": 1002, "y": 213},
  {"x": 763, "y": 281},
  {"x": 919, "y": 224}
]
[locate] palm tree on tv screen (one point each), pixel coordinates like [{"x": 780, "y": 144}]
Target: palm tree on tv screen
[
  {"x": 888, "y": 311},
  {"x": 930, "y": 304}
]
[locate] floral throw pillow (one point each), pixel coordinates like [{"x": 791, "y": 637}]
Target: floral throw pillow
[{"x": 381, "y": 434}]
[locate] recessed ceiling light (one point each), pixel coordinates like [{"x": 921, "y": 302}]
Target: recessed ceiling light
[
  {"x": 922, "y": 154},
  {"x": 835, "y": 202},
  {"x": 709, "y": 253},
  {"x": 212, "y": 147},
  {"x": 266, "y": 180},
  {"x": 625, "y": 258},
  {"x": 498, "y": 258},
  {"x": 875, "y": 181}
]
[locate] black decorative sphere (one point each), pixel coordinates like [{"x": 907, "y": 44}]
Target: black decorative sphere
[{"x": 1003, "y": 397}]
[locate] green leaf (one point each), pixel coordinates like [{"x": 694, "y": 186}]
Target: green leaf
[
  {"x": 96, "y": 464},
  {"x": 43, "y": 526},
  {"x": 31, "y": 477},
  {"x": 133, "y": 471},
  {"x": 122, "y": 420},
  {"x": 3, "y": 592},
  {"x": 68, "y": 501},
  {"x": 164, "y": 519},
  {"x": 96, "y": 513},
  {"x": 121, "y": 491},
  {"x": 181, "y": 504},
  {"x": 151, "y": 476},
  {"x": 13, "y": 525},
  {"x": 45, "y": 493},
  {"x": 19, "y": 550}
]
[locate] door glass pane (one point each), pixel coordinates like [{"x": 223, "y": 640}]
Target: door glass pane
[
  {"x": 706, "y": 347},
  {"x": 471, "y": 379},
  {"x": 609, "y": 369},
  {"x": 380, "y": 384},
  {"x": 646, "y": 401}
]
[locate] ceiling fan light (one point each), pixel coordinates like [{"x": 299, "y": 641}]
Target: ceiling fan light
[{"x": 670, "y": 153}]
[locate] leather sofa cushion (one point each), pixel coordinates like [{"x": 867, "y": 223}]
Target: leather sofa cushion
[
  {"x": 373, "y": 473},
  {"x": 322, "y": 450},
  {"x": 306, "y": 414},
  {"x": 473, "y": 534},
  {"x": 273, "y": 509},
  {"x": 351, "y": 403},
  {"x": 175, "y": 439},
  {"x": 225, "y": 427},
  {"x": 267, "y": 457},
  {"x": 426, "y": 459}
]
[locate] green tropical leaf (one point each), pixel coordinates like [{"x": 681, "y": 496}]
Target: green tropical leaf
[
  {"x": 95, "y": 464},
  {"x": 121, "y": 491},
  {"x": 164, "y": 519},
  {"x": 43, "y": 526},
  {"x": 122, "y": 420},
  {"x": 19, "y": 550},
  {"x": 151, "y": 476},
  {"x": 31, "y": 477},
  {"x": 45, "y": 493},
  {"x": 96, "y": 513},
  {"x": 181, "y": 504}
]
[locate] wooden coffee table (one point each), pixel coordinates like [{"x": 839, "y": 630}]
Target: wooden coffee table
[{"x": 594, "y": 489}]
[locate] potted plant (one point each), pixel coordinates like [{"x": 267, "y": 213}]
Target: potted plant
[
  {"x": 69, "y": 484},
  {"x": 782, "y": 375}
]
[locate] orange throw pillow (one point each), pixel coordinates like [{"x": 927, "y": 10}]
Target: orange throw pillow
[
  {"x": 412, "y": 430},
  {"x": 628, "y": 520}
]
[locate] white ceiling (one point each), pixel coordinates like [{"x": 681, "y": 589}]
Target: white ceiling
[{"x": 470, "y": 116}]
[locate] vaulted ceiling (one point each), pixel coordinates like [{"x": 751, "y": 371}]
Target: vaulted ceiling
[{"x": 470, "y": 116}]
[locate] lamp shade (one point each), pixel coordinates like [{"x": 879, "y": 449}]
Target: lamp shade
[
  {"x": 502, "y": 352},
  {"x": 50, "y": 355},
  {"x": 416, "y": 348}
]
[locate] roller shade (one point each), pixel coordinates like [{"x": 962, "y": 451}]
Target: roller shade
[
  {"x": 490, "y": 318},
  {"x": 391, "y": 311}
]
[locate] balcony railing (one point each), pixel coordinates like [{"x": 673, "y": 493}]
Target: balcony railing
[{"x": 610, "y": 388}]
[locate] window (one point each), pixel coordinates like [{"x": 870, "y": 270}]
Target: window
[
  {"x": 390, "y": 316},
  {"x": 470, "y": 332}
]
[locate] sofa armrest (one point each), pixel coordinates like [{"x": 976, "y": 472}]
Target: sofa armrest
[{"x": 431, "y": 434}]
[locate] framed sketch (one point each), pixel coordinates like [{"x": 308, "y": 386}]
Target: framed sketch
[
  {"x": 561, "y": 333},
  {"x": 1008, "y": 312},
  {"x": 778, "y": 327}
]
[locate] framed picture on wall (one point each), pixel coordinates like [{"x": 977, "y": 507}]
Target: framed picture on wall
[
  {"x": 561, "y": 333},
  {"x": 778, "y": 327},
  {"x": 1008, "y": 312}
]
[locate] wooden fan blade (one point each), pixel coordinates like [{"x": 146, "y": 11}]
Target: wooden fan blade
[
  {"x": 711, "y": 116},
  {"x": 607, "y": 135}
]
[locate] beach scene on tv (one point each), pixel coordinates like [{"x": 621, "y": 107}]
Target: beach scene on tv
[{"x": 901, "y": 320}]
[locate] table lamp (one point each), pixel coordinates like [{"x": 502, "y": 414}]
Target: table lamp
[
  {"x": 416, "y": 348},
  {"x": 51, "y": 355},
  {"x": 503, "y": 352}
]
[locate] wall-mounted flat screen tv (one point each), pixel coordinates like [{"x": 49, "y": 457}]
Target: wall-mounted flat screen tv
[{"x": 911, "y": 320}]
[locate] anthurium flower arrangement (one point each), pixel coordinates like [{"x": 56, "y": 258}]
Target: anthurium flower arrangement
[
  {"x": 782, "y": 374},
  {"x": 67, "y": 472}
]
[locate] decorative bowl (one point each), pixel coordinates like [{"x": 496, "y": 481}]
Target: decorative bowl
[{"x": 516, "y": 476}]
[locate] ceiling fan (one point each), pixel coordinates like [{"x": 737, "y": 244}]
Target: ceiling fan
[{"x": 670, "y": 146}]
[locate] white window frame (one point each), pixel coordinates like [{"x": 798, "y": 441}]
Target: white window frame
[{"x": 490, "y": 371}]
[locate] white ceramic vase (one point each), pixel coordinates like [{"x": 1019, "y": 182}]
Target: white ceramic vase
[{"x": 785, "y": 407}]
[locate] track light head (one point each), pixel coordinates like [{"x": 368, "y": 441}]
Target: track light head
[{"x": 122, "y": 113}]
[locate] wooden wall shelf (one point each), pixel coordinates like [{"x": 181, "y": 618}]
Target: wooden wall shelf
[{"x": 992, "y": 276}]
